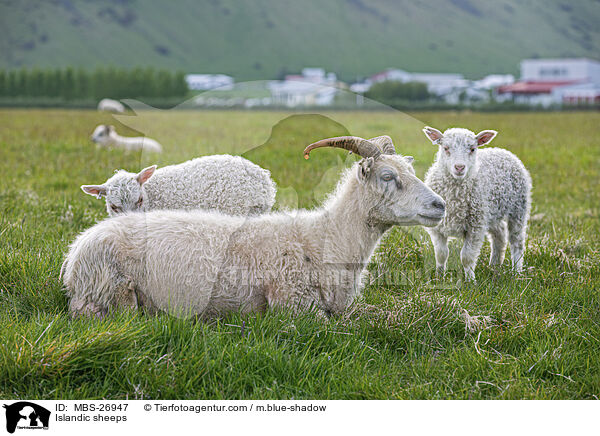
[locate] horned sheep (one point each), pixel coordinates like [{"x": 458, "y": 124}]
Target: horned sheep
[
  {"x": 107, "y": 136},
  {"x": 228, "y": 184},
  {"x": 207, "y": 263},
  {"x": 486, "y": 192}
]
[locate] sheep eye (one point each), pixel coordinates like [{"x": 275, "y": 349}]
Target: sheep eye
[
  {"x": 387, "y": 177},
  {"x": 472, "y": 150},
  {"x": 447, "y": 150}
]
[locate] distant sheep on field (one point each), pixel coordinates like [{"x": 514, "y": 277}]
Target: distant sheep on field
[
  {"x": 106, "y": 136},
  {"x": 486, "y": 192},
  {"x": 228, "y": 184},
  {"x": 208, "y": 263},
  {"x": 108, "y": 105}
]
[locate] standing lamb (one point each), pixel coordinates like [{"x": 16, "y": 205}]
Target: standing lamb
[
  {"x": 207, "y": 263},
  {"x": 106, "y": 136},
  {"x": 228, "y": 184},
  {"x": 108, "y": 105},
  {"x": 484, "y": 191}
]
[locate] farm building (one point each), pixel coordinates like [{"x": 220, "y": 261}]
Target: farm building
[
  {"x": 555, "y": 81},
  {"x": 493, "y": 81},
  {"x": 204, "y": 82},
  {"x": 577, "y": 93},
  {"x": 314, "y": 87}
]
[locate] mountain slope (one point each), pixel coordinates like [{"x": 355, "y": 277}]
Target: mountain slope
[{"x": 264, "y": 38}]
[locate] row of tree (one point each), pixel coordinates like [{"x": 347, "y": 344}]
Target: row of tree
[
  {"x": 80, "y": 84},
  {"x": 393, "y": 91}
]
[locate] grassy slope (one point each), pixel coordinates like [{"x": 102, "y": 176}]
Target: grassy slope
[
  {"x": 544, "y": 341},
  {"x": 258, "y": 40}
]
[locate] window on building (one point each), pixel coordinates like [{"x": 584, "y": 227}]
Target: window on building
[{"x": 553, "y": 72}]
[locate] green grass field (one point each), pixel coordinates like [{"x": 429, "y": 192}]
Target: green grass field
[{"x": 404, "y": 339}]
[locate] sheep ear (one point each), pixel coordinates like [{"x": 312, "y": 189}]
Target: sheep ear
[
  {"x": 434, "y": 135},
  {"x": 409, "y": 159},
  {"x": 145, "y": 174},
  {"x": 364, "y": 168},
  {"x": 97, "y": 190},
  {"x": 485, "y": 137}
]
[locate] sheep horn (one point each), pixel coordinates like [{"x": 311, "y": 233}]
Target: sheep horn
[
  {"x": 359, "y": 146},
  {"x": 386, "y": 144}
]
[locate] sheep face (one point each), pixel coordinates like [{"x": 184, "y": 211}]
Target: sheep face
[
  {"x": 124, "y": 191},
  {"x": 101, "y": 135},
  {"x": 458, "y": 149},
  {"x": 395, "y": 195}
]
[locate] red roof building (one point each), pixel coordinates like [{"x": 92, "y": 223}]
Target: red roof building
[{"x": 532, "y": 87}]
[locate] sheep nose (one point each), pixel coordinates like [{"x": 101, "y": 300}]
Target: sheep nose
[
  {"x": 439, "y": 204},
  {"x": 459, "y": 168}
]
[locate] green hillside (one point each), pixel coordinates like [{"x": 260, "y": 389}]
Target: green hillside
[{"x": 264, "y": 38}]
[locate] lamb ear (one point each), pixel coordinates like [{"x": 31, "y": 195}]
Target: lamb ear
[
  {"x": 409, "y": 159},
  {"x": 97, "y": 190},
  {"x": 145, "y": 174},
  {"x": 485, "y": 137},
  {"x": 434, "y": 135}
]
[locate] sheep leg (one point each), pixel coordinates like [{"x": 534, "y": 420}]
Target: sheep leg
[
  {"x": 517, "y": 233},
  {"x": 127, "y": 296},
  {"x": 470, "y": 253},
  {"x": 286, "y": 298},
  {"x": 498, "y": 237},
  {"x": 440, "y": 246},
  {"x": 124, "y": 295},
  {"x": 79, "y": 307}
]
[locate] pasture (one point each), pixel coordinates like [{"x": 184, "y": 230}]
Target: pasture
[{"x": 404, "y": 339}]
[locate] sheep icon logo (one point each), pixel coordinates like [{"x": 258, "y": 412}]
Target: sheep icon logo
[{"x": 26, "y": 415}]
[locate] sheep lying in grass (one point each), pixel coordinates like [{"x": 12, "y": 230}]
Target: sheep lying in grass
[
  {"x": 106, "y": 136},
  {"x": 486, "y": 191},
  {"x": 108, "y": 105},
  {"x": 207, "y": 263},
  {"x": 228, "y": 184}
]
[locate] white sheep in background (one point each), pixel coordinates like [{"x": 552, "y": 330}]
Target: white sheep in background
[
  {"x": 486, "y": 192},
  {"x": 106, "y": 136},
  {"x": 228, "y": 184},
  {"x": 207, "y": 263},
  {"x": 108, "y": 105}
]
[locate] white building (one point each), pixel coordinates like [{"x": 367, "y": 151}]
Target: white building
[
  {"x": 314, "y": 87},
  {"x": 560, "y": 70},
  {"x": 203, "y": 82},
  {"x": 555, "y": 81},
  {"x": 441, "y": 84},
  {"x": 493, "y": 81},
  {"x": 577, "y": 94}
]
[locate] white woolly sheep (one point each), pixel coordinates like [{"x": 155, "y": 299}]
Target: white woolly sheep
[
  {"x": 486, "y": 192},
  {"x": 106, "y": 136},
  {"x": 207, "y": 263},
  {"x": 108, "y": 105},
  {"x": 228, "y": 184}
]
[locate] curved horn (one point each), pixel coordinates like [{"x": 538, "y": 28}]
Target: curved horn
[
  {"x": 385, "y": 143},
  {"x": 359, "y": 146}
]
